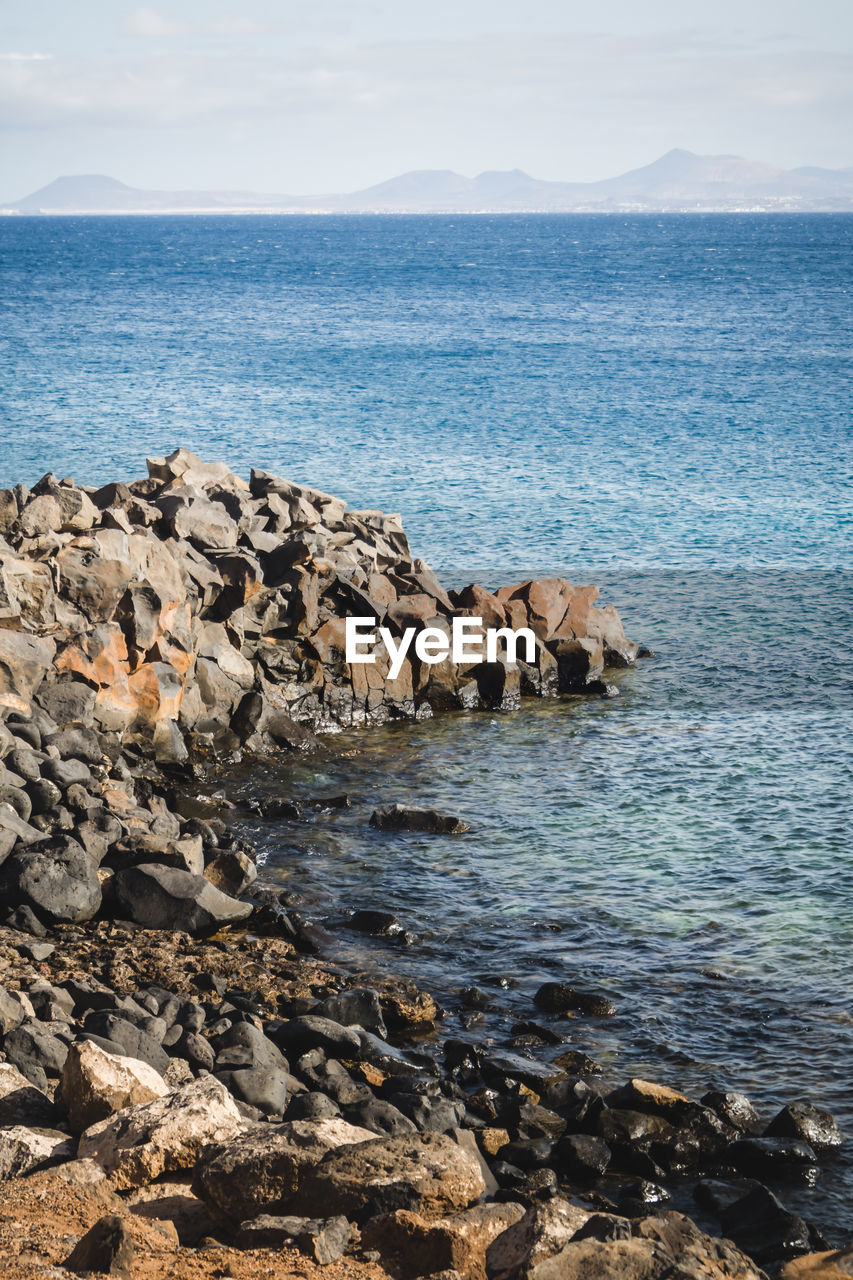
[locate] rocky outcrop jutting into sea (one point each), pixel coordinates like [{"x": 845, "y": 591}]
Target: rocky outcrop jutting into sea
[
  {"x": 210, "y": 1100},
  {"x": 192, "y": 604}
]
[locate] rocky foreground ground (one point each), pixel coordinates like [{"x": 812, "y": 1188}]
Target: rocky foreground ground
[{"x": 186, "y": 1088}]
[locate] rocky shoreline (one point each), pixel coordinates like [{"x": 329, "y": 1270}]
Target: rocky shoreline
[{"x": 182, "y": 1076}]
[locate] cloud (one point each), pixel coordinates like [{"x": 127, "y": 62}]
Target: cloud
[
  {"x": 150, "y": 24},
  {"x": 545, "y": 97},
  {"x": 26, "y": 57}
]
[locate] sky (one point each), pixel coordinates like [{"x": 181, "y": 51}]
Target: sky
[{"x": 334, "y": 95}]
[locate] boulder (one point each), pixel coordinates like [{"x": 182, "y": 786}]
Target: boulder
[
  {"x": 766, "y": 1157},
  {"x": 92, "y": 584},
  {"x": 411, "y": 1244},
  {"x": 205, "y": 524},
  {"x": 299, "y": 1035},
  {"x": 21, "y": 1102},
  {"x": 94, "y": 1084},
  {"x": 231, "y": 871},
  {"x": 760, "y": 1225},
  {"x": 35, "y": 1050},
  {"x": 735, "y": 1109},
  {"x": 534, "y": 1239},
  {"x": 321, "y": 1239},
  {"x": 141, "y": 1143},
  {"x": 544, "y": 1246},
  {"x": 802, "y": 1119},
  {"x": 265, "y": 1089},
  {"x": 358, "y": 1006},
  {"x": 245, "y": 1045},
  {"x": 429, "y": 1173},
  {"x": 60, "y": 882},
  {"x": 266, "y": 1168},
  {"x": 832, "y": 1264},
  {"x": 400, "y": 817},
  {"x": 166, "y": 898},
  {"x": 14, "y": 829},
  {"x": 656, "y": 1099},
  {"x": 12, "y": 1012},
  {"x": 24, "y": 661},
  {"x": 560, "y": 997},
  {"x": 107, "y": 1248},
  {"x": 23, "y": 1149}
]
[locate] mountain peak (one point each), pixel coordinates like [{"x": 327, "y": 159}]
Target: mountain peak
[
  {"x": 74, "y": 191},
  {"x": 680, "y": 180}
]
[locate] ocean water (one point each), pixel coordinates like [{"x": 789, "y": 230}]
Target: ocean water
[{"x": 658, "y": 404}]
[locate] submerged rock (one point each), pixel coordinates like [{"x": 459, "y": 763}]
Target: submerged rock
[{"x": 399, "y": 817}]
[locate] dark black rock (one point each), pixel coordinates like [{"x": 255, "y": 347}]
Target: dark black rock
[
  {"x": 604, "y": 1227},
  {"x": 498, "y": 1068},
  {"x": 59, "y": 882},
  {"x": 735, "y": 1109},
  {"x": 559, "y": 997},
  {"x": 527, "y": 1187},
  {"x": 159, "y": 897},
  {"x": 399, "y": 817},
  {"x": 265, "y": 1089},
  {"x": 196, "y": 1049},
  {"x": 621, "y": 1129},
  {"x": 25, "y": 920},
  {"x": 528, "y": 1153},
  {"x": 64, "y": 773},
  {"x": 430, "y": 1115},
  {"x": 380, "y": 1116},
  {"x": 297, "y": 1036},
  {"x": 717, "y": 1195},
  {"x": 581, "y": 1156},
  {"x": 191, "y": 1016},
  {"x": 379, "y": 924},
  {"x": 27, "y": 1104},
  {"x": 125, "y": 1038},
  {"x": 248, "y": 1047},
  {"x": 313, "y": 1106},
  {"x": 765, "y": 1157},
  {"x": 106, "y": 1248},
  {"x": 79, "y": 744},
  {"x": 359, "y": 1006},
  {"x": 329, "y": 1077},
  {"x": 44, "y": 796},
  {"x": 322, "y": 1240},
  {"x": 641, "y": 1196},
  {"x": 535, "y": 1121},
  {"x": 25, "y": 762},
  {"x": 763, "y": 1228},
  {"x": 33, "y": 1049},
  {"x": 802, "y": 1119},
  {"x": 401, "y": 1070}
]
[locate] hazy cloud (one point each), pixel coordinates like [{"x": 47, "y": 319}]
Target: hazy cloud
[
  {"x": 149, "y": 23},
  {"x": 250, "y": 103}
]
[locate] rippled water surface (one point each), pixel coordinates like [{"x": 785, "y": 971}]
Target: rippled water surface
[{"x": 659, "y": 404}]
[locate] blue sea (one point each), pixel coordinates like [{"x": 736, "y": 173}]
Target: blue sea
[{"x": 658, "y": 404}]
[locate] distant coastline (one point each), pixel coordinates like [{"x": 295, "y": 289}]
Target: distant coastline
[{"x": 678, "y": 182}]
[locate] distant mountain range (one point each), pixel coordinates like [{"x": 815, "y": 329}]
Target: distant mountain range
[{"x": 678, "y": 182}]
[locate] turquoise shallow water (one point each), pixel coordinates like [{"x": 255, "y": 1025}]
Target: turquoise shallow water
[{"x": 660, "y": 404}]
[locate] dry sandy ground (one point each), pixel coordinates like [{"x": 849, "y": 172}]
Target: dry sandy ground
[{"x": 42, "y": 1218}]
